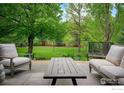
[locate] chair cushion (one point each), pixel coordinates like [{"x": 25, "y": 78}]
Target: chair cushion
[
  {"x": 100, "y": 62},
  {"x": 115, "y": 54},
  {"x": 112, "y": 71},
  {"x": 122, "y": 62},
  {"x": 17, "y": 61},
  {"x": 8, "y": 50}
]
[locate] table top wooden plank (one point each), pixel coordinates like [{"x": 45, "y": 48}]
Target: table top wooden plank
[
  {"x": 78, "y": 70},
  {"x": 63, "y": 68},
  {"x": 60, "y": 66},
  {"x": 70, "y": 66},
  {"x": 55, "y": 66},
  {"x": 50, "y": 66}
]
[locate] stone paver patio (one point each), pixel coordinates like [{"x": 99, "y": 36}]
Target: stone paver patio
[{"x": 35, "y": 76}]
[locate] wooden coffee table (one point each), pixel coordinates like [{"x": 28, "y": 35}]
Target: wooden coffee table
[{"x": 63, "y": 68}]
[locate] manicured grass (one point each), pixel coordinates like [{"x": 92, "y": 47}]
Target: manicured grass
[{"x": 48, "y": 52}]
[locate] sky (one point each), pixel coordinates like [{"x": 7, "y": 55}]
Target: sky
[
  {"x": 65, "y": 5},
  {"x": 114, "y": 12}
]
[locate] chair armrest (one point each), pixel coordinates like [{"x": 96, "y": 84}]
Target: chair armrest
[
  {"x": 7, "y": 57},
  {"x": 11, "y": 59}
]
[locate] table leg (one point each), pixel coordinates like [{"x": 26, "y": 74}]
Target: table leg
[
  {"x": 54, "y": 81},
  {"x": 74, "y": 81}
]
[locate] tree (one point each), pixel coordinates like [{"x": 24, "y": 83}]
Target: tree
[
  {"x": 108, "y": 23},
  {"x": 119, "y": 37},
  {"x": 101, "y": 14},
  {"x": 32, "y": 19},
  {"x": 52, "y": 30},
  {"x": 76, "y": 14},
  {"x": 6, "y": 24}
]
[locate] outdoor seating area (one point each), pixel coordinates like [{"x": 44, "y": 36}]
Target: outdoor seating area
[
  {"x": 9, "y": 58},
  {"x": 60, "y": 70},
  {"x": 35, "y": 77},
  {"x": 110, "y": 68},
  {"x": 62, "y": 44}
]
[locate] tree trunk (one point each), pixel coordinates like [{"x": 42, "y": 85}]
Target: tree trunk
[
  {"x": 106, "y": 47},
  {"x": 30, "y": 44},
  {"x": 107, "y": 30},
  {"x": 107, "y": 23},
  {"x": 79, "y": 43},
  {"x": 79, "y": 24}
]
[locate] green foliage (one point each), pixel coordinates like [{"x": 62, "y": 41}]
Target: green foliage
[
  {"x": 6, "y": 25},
  {"x": 94, "y": 32},
  {"x": 69, "y": 40},
  {"x": 121, "y": 37},
  {"x": 28, "y": 21},
  {"x": 118, "y": 36},
  {"x": 42, "y": 22},
  {"x": 37, "y": 42},
  {"x": 18, "y": 21}
]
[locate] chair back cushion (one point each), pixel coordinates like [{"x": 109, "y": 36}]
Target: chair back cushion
[
  {"x": 8, "y": 50},
  {"x": 122, "y": 62},
  {"x": 115, "y": 54}
]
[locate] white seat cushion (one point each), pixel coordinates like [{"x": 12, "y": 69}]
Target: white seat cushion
[
  {"x": 115, "y": 54},
  {"x": 100, "y": 62},
  {"x": 112, "y": 71},
  {"x": 17, "y": 61}
]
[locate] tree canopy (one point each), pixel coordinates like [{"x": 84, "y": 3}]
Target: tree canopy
[
  {"x": 31, "y": 20},
  {"x": 89, "y": 22}
]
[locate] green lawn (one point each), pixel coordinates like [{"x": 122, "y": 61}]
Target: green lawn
[{"x": 48, "y": 52}]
